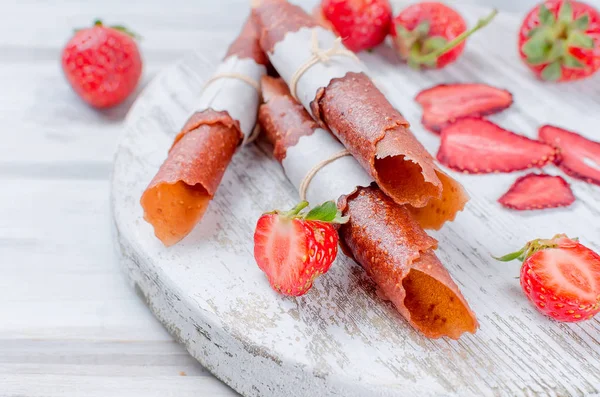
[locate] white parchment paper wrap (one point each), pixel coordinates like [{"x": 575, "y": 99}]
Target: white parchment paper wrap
[
  {"x": 291, "y": 53},
  {"x": 335, "y": 179},
  {"x": 233, "y": 95}
]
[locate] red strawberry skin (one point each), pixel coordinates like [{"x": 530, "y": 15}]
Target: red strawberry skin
[
  {"x": 563, "y": 282},
  {"x": 444, "y": 22},
  {"x": 103, "y": 65},
  {"x": 362, "y": 24},
  {"x": 575, "y": 150},
  {"x": 590, "y": 58},
  {"x": 446, "y": 103},
  {"x": 538, "y": 191},
  {"x": 478, "y": 146},
  {"x": 293, "y": 252}
]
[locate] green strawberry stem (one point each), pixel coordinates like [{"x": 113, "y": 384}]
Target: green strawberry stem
[
  {"x": 326, "y": 212},
  {"x": 296, "y": 210},
  {"x": 431, "y": 57},
  {"x": 531, "y": 248}
]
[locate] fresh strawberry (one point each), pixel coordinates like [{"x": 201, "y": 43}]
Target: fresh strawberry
[
  {"x": 445, "y": 103},
  {"x": 560, "y": 40},
  {"x": 538, "y": 191},
  {"x": 579, "y": 157},
  {"x": 561, "y": 277},
  {"x": 102, "y": 64},
  {"x": 431, "y": 34},
  {"x": 362, "y": 24},
  {"x": 294, "y": 248},
  {"x": 478, "y": 146}
]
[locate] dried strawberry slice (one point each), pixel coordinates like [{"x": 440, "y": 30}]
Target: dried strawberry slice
[
  {"x": 538, "y": 191},
  {"x": 579, "y": 157},
  {"x": 478, "y": 146},
  {"x": 446, "y": 103}
]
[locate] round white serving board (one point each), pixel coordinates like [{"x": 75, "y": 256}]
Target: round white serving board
[{"x": 341, "y": 339}]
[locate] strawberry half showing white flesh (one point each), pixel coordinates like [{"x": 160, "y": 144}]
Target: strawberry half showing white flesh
[
  {"x": 561, "y": 277},
  {"x": 294, "y": 247}
]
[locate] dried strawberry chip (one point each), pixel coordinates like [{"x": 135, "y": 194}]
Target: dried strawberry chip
[
  {"x": 446, "y": 103},
  {"x": 579, "y": 157},
  {"x": 478, "y": 146},
  {"x": 538, "y": 191}
]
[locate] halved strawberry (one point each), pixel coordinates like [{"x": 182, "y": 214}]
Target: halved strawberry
[
  {"x": 478, "y": 146},
  {"x": 579, "y": 157},
  {"x": 561, "y": 277},
  {"x": 538, "y": 191},
  {"x": 445, "y": 103},
  {"x": 294, "y": 248}
]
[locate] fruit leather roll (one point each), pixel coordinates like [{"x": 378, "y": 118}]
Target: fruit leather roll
[
  {"x": 225, "y": 115},
  {"x": 381, "y": 235},
  {"x": 340, "y": 96}
]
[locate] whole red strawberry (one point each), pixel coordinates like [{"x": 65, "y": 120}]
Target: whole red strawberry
[
  {"x": 560, "y": 40},
  {"x": 431, "y": 34},
  {"x": 561, "y": 277},
  {"x": 362, "y": 24},
  {"x": 102, "y": 64},
  {"x": 294, "y": 248}
]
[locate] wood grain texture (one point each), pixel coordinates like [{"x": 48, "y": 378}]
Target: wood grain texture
[
  {"x": 71, "y": 325},
  {"x": 341, "y": 339}
]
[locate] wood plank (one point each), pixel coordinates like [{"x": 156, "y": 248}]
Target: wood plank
[
  {"x": 60, "y": 278},
  {"x": 109, "y": 386},
  {"x": 96, "y": 358}
]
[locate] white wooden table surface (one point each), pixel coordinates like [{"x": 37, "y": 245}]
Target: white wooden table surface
[{"x": 70, "y": 325}]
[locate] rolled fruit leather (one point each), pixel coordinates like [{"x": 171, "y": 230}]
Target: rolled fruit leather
[
  {"x": 343, "y": 99},
  {"x": 382, "y": 236},
  {"x": 178, "y": 196}
]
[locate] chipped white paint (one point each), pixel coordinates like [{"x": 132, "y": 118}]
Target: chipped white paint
[
  {"x": 341, "y": 339},
  {"x": 296, "y": 50}
]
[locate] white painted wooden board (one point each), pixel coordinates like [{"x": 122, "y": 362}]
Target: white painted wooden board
[{"x": 341, "y": 339}]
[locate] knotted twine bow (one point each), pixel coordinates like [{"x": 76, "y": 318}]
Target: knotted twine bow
[{"x": 319, "y": 55}]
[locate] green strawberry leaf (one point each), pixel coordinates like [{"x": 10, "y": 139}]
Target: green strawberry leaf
[
  {"x": 128, "y": 32},
  {"x": 422, "y": 29},
  {"x": 580, "y": 40},
  {"x": 546, "y": 17},
  {"x": 537, "y": 47},
  {"x": 552, "y": 72},
  {"x": 581, "y": 23},
  {"x": 325, "y": 212},
  {"x": 402, "y": 31},
  {"x": 537, "y": 60},
  {"x": 534, "y": 31},
  {"x": 571, "y": 62},
  {"x": 566, "y": 12},
  {"x": 557, "y": 50},
  {"x": 414, "y": 64}
]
